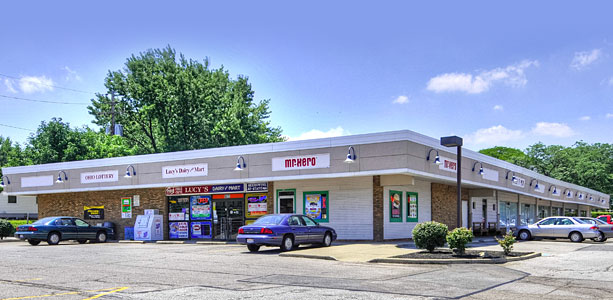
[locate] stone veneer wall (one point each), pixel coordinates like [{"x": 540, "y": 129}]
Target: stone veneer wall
[
  {"x": 71, "y": 204},
  {"x": 444, "y": 203},
  {"x": 377, "y": 208}
]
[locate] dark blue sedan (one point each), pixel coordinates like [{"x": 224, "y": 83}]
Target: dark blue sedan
[
  {"x": 284, "y": 230},
  {"x": 56, "y": 229}
]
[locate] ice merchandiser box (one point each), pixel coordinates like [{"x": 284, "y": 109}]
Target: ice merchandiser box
[{"x": 148, "y": 228}]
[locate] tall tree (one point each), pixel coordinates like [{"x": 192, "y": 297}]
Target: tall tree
[
  {"x": 511, "y": 155},
  {"x": 167, "y": 103}
]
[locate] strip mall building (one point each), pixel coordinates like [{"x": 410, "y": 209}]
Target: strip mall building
[{"x": 368, "y": 187}]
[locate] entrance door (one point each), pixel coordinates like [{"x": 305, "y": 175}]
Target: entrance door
[{"x": 227, "y": 218}]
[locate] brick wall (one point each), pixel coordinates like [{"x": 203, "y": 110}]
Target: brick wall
[
  {"x": 444, "y": 205},
  {"x": 377, "y": 208},
  {"x": 270, "y": 198},
  {"x": 71, "y": 204}
]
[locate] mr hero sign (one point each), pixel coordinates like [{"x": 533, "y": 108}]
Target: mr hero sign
[{"x": 314, "y": 161}]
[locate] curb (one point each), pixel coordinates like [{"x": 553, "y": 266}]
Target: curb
[
  {"x": 214, "y": 243},
  {"x": 169, "y": 242},
  {"x": 453, "y": 261},
  {"x": 9, "y": 239},
  {"x": 324, "y": 257},
  {"x": 130, "y": 242}
]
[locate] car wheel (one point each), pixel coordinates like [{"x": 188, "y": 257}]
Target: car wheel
[
  {"x": 82, "y": 241},
  {"x": 101, "y": 237},
  {"x": 524, "y": 235},
  {"x": 576, "y": 237},
  {"x": 327, "y": 240},
  {"x": 33, "y": 242},
  {"x": 287, "y": 244},
  {"x": 253, "y": 248},
  {"x": 53, "y": 238},
  {"x": 600, "y": 238}
]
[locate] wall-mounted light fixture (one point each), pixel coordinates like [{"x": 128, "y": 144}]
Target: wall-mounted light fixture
[
  {"x": 128, "y": 173},
  {"x": 59, "y": 177},
  {"x": 513, "y": 177},
  {"x": 481, "y": 172},
  {"x": 580, "y": 196},
  {"x": 554, "y": 189},
  {"x": 240, "y": 164},
  {"x": 536, "y": 186},
  {"x": 437, "y": 159},
  {"x": 591, "y": 198},
  {"x": 567, "y": 192},
  {"x": 350, "y": 155},
  {"x": 8, "y": 181}
]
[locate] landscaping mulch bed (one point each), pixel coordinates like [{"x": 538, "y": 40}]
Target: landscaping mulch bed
[{"x": 469, "y": 254}]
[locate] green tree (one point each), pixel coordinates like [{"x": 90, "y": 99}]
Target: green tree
[
  {"x": 11, "y": 155},
  {"x": 511, "y": 155},
  {"x": 167, "y": 103}
]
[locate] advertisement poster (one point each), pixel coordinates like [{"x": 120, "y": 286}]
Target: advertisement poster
[
  {"x": 93, "y": 212},
  {"x": 395, "y": 206},
  {"x": 316, "y": 206},
  {"x": 201, "y": 230},
  {"x": 412, "y": 211},
  {"x": 256, "y": 205},
  {"x": 126, "y": 208},
  {"x": 200, "y": 207},
  {"x": 178, "y": 230}
]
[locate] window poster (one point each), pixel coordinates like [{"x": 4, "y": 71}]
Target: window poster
[
  {"x": 395, "y": 206},
  {"x": 201, "y": 230},
  {"x": 256, "y": 205},
  {"x": 412, "y": 205},
  {"x": 93, "y": 212},
  {"x": 178, "y": 230},
  {"x": 316, "y": 205},
  {"x": 126, "y": 208},
  {"x": 200, "y": 207}
]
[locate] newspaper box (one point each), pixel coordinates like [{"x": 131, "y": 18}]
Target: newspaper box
[{"x": 148, "y": 228}]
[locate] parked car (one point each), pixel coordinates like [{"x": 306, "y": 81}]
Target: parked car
[
  {"x": 56, "y": 229},
  {"x": 286, "y": 231},
  {"x": 606, "y": 230},
  {"x": 606, "y": 218},
  {"x": 559, "y": 227}
]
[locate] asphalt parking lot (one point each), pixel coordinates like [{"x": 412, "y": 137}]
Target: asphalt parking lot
[{"x": 189, "y": 271}]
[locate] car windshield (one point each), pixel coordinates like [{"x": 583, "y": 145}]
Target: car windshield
[
  {"x": 598, "y": 221},
  {"x": 43, "y": 221},
  {"x": 271, "y": 220}
]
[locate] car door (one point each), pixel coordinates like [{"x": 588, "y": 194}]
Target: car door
[
  {"x": 67, "y": 228},
  {"x": 84, "y": 230},
  {"x": 563, "y": 227},
  {"x": 316, "y": 233},
  {"x": 300, "y": 231},
  {"x": 545, "y": 228}
]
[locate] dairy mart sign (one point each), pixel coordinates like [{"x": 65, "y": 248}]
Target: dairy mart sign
[
  {"x": 314, "y": 161},
  {"x": 185, "y": 171}
]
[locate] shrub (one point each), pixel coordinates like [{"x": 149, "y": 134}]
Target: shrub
[
  {"x": 507, "y": 242},
  {"x": 458, "y": 238},
  {"x": 6, "y": 229},
  {"x": 595, "y": 214},
  {"x": 429, "y": 235}
]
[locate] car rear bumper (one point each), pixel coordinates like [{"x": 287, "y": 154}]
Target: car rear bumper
[
  {"x": 29, "y": 235},
  {"x": 259, "y": 239},
  {"x": 590, "y": 234}
]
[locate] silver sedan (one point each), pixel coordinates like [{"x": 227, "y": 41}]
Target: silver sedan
[
  {"x": 606, "y": 230},
  {"x": 559, "y": 227}
]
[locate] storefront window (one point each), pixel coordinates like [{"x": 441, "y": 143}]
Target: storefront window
[
  {"x": 508, "y": 214},
  {"x": 583, "y": 213},
  {"x": 316, "y": 206},
  {"x": 556, "y": 211},
  {"x": 286, "y": 201},
  {"x": 527, "y": 214},
  {"x": 543, "y": 211},
  {"x": 412, "y": 207},
  {"x": 570, "y": 212},
  {"x": 395, "y": 206}
]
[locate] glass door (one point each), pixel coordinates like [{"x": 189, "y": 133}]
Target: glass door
[{"x": 228, "y": 216}]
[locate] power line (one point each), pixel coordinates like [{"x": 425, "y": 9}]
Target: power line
[
  {"x": 43, "y": 101},
  {"x": 16, "y": 127},
  {"x": 51, "y": 85}
]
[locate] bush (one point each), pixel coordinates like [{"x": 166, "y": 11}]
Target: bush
[
  {"x": 595, "y": 214},
  {"x": 429, "y": 235},
  {"x": 507, "y": 242},
  {"x": 6, "y": 229},
  {"x": 458, "y": 238}
]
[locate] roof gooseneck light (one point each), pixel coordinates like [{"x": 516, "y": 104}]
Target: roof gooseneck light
[
  {"x": 128, "y": 173},
  {"x": 351, "y": 157},
  {"x": 2, "y": 183},
  {"x": 536, "y": 186},
  {"x": 61, "y": 179},
  {"x": 240, "y": 164},
  {"x": 481, "y": 172},
  {"x": 513, "y": 177},
  {"x": 437, "y": 158},
  {"x": 555, "y": 190}
]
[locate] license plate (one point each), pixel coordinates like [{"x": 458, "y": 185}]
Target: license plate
[{"x": 250, "y": 241}]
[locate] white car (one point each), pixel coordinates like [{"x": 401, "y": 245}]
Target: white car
[{"x": 572, "y": 228}]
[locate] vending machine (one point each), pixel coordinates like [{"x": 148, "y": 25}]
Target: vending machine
[{"x": 148, "y": 228}]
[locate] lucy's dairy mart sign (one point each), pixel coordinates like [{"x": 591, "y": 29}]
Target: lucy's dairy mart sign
[{"x": 126, "y": 208}]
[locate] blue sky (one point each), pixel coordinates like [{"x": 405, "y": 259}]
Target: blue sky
[{"x": 496, "y": 74}]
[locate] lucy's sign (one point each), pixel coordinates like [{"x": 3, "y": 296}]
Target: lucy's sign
[
  {"x": 185, "y": 171},
  {"x": 102, "y": 176},
  {"x": 315, "y": 161}
]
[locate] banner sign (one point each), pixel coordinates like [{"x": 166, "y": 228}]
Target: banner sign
[
  {"x": 489, "y": 174},
  {"x": 448, "y": 164},
  {"x": 204, "y": 189},
  {"x": 126, "y": 208},
  {"x": 395, "y": 206},
  {"x": 520, "y": 182},
  {"x": 412, "y": 211},
  {"x": 257, "y": 187},
  {"x": 315, "y": 161},
  {"x": 36, "y": 181},
  {"x": 257, "y": 205},
  {"x": 178, "y": 230},
  {"x": 201, "y": 207},
  {"x": 93, "y": 212},
  {"x": 185, "y": 171},
  {"x": 102, "y": 176}
]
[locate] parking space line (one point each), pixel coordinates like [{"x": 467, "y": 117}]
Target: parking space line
[
  {"x": 109, "y": 292},
  {"x": 26, "y": 280},
  {"x": 113, "y": 290}
]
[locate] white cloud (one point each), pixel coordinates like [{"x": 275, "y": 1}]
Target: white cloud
[
  {"x": 553, "y": 129},
  {"x": 585, "y": 118},
  {"x": 72, "y": 75},
  {"x": 318, "y": 134},
  {"x": 512, "y": 75},
  {"x": 401, "y": 100},
  {"x": 495, "y": 135},
  {"x": 609, "y": 115},
  {"x": 9, "y": 86},
  {"x": 585, "y": 58},
  {"x": 33, "y": 84},
  {"x": 498, "y": 107}
]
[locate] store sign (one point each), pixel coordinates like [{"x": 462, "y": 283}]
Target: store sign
[
  {"x": 102, "y": 176},
  {"x": 315, "y": 161},
  {"x": 448, "y": 164},
  {"x": 520, "y": 182},
  {"x": 185, "y": 171},
  {"x": 489, "y": 174},
  {"x": 204, "y": 189},
  {"x": 126, "y": 208},
  {"x": 36, "y": 181},
  {"x": 93, "y": 212},
  {"x": 257, "y": 187}
]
